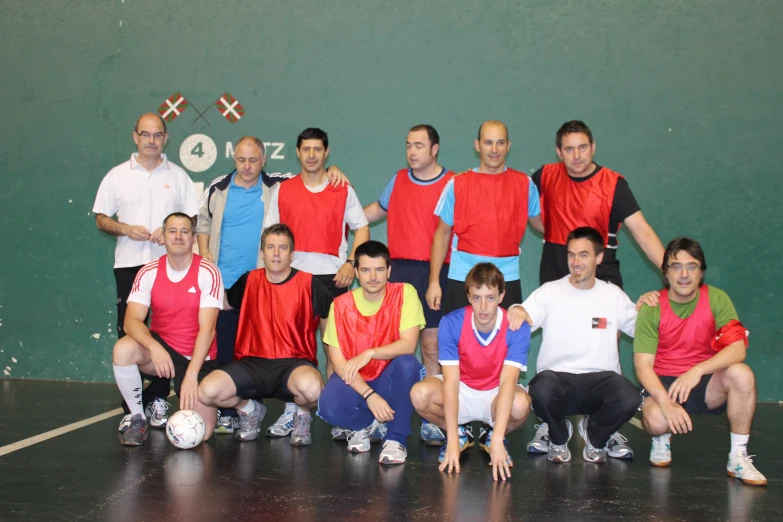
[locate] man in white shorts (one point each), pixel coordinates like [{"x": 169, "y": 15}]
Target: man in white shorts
[{"x": 481, "y": 360}]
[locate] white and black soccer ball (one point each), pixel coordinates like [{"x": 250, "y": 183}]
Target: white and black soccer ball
[{"x": 185, "y": 429}]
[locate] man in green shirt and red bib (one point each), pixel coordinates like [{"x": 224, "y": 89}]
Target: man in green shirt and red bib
[{"x": 688, "y": 354}]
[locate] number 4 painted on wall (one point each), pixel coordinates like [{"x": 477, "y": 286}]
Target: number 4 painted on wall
[{"x": 198, "y": 150}]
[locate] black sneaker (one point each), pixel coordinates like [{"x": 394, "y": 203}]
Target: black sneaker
[{"x": 136, "y": 434}]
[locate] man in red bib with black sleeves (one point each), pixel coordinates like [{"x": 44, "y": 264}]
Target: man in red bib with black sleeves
[
  {"x": 578, "y": 193},
  {"x": 185, "y": 293},
  {"x": 408, "y": 203},
  {"x": 372, "y": 333},
  {"x": 276, "y": 344}
]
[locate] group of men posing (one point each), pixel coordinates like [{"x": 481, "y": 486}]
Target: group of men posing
[{"x": 448, "y": 280}]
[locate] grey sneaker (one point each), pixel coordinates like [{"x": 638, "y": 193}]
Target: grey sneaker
[
  {"x": 284, "y": 424},
  {"x": 540, "y": 441},
  {"x": 617, "y": 447},
  {"x": 156, "y": 413},
  {"x": 340, "y": 433},
  {"x": 136, "y": 433},
  {"x": 560, "y": 453},
  {"x": 300, "y": 436},
  {"x": 590, "y": 453},
  {"x": 359, "y": 441},
  {"x": 249, "y": 423},
  {"x": 124, "y": 424},
  {"x": 393, "y": 453},
  {"x": 226, "y": 424}
]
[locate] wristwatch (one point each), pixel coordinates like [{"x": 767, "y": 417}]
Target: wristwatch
[{"x": 351, "y": 262}]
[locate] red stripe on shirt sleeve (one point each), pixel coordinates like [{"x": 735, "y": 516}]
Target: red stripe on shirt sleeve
[{"x": 146, "y": 268}]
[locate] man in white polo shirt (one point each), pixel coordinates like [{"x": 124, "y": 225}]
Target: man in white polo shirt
[{"x": 141, "y": 192}]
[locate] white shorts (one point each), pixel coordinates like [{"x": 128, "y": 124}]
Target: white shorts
[{"x": 475, "y": 405}]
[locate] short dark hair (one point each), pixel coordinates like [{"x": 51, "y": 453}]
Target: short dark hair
[
  {"x": 374, "y": 250},
  {"x": 279, "y": 229},
  {"x": 572, "y": 127},
  {"x": 683, "y": 244},
  {"x": 485, "y": 274},
  {"x": 258, "y": 143},
  {"x": 590, "y": 234},
  {"x": 180, "y": 215},
  {"x": 162, "y": 122},
  {"x": 313, "y": 133},
  {"x": 432, "y": 134}
]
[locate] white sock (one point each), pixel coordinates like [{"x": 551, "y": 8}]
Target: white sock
[
  {"x": 250, "y": 407},
  {"x": 739, "y": 443},
  {"x": 290, "y": 407},
  {"x": 666, "y": 437},
  {"x": 129, "y": 382},
  {"x": 300, "y": 411}
]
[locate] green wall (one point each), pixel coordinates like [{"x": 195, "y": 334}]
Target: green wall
[{"x": 684, "y": 99}]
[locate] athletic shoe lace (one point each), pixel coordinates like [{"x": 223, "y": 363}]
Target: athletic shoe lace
[
  {"x": 542, "y": 431},
  {"x": 160, "y": 407}
]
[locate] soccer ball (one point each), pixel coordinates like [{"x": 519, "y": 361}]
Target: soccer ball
[{"x": 185, "y": 429}]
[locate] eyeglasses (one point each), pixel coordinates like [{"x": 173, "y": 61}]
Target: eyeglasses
[
  {"x": 677, "y": 268},
  {"x": 146, "y": 135}
]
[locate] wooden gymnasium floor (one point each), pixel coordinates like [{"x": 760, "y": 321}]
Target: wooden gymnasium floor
[{"x": 85, "y": 474}]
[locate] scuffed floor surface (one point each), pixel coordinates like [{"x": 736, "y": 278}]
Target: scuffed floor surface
[{"x": 87, "y": 475}]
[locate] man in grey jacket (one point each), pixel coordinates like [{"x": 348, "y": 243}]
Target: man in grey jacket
[{"x": 231, "y": 215}]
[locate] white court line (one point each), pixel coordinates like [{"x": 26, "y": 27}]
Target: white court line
[
  {"x": 26, "y": 443},
  {"x": 16, "y": 446}
]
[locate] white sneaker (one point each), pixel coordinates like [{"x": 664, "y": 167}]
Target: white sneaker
[
  {"x": 741, "y": 466},
  {"x": 284, "y": 424},
  {"x": 359, "y": 441},
  {"x": 393, "y": 453},
  {"x": 156, "y": 413},
  {"x": 661, "y": 450},
  {"x": 124, "y": 424}
]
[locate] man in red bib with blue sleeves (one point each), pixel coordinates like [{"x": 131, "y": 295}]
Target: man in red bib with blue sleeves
[
  {"x": 408, "y": 203},
  {"x": 487, "y": 209},
  {"x": 689, "y": 354},
  {"x": 481, "y": 360},
  {"x": 371, "y": 334},
  {"x": 185, "y": 293}
]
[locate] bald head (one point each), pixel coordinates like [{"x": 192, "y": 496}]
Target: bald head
[
  {"x": 152, "y": 118},
  {"x": 493, "y": 123}
]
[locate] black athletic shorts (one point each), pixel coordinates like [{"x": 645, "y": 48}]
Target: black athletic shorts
[
  {"x": 455, "y": 297},
  {"x": 328, "y": 281},
  {"x": 417, "y": 274},
  {"x": 696, "y": 403},
  {"x": 259, "y": 378},
  {"x": 181, "y": 364}
]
